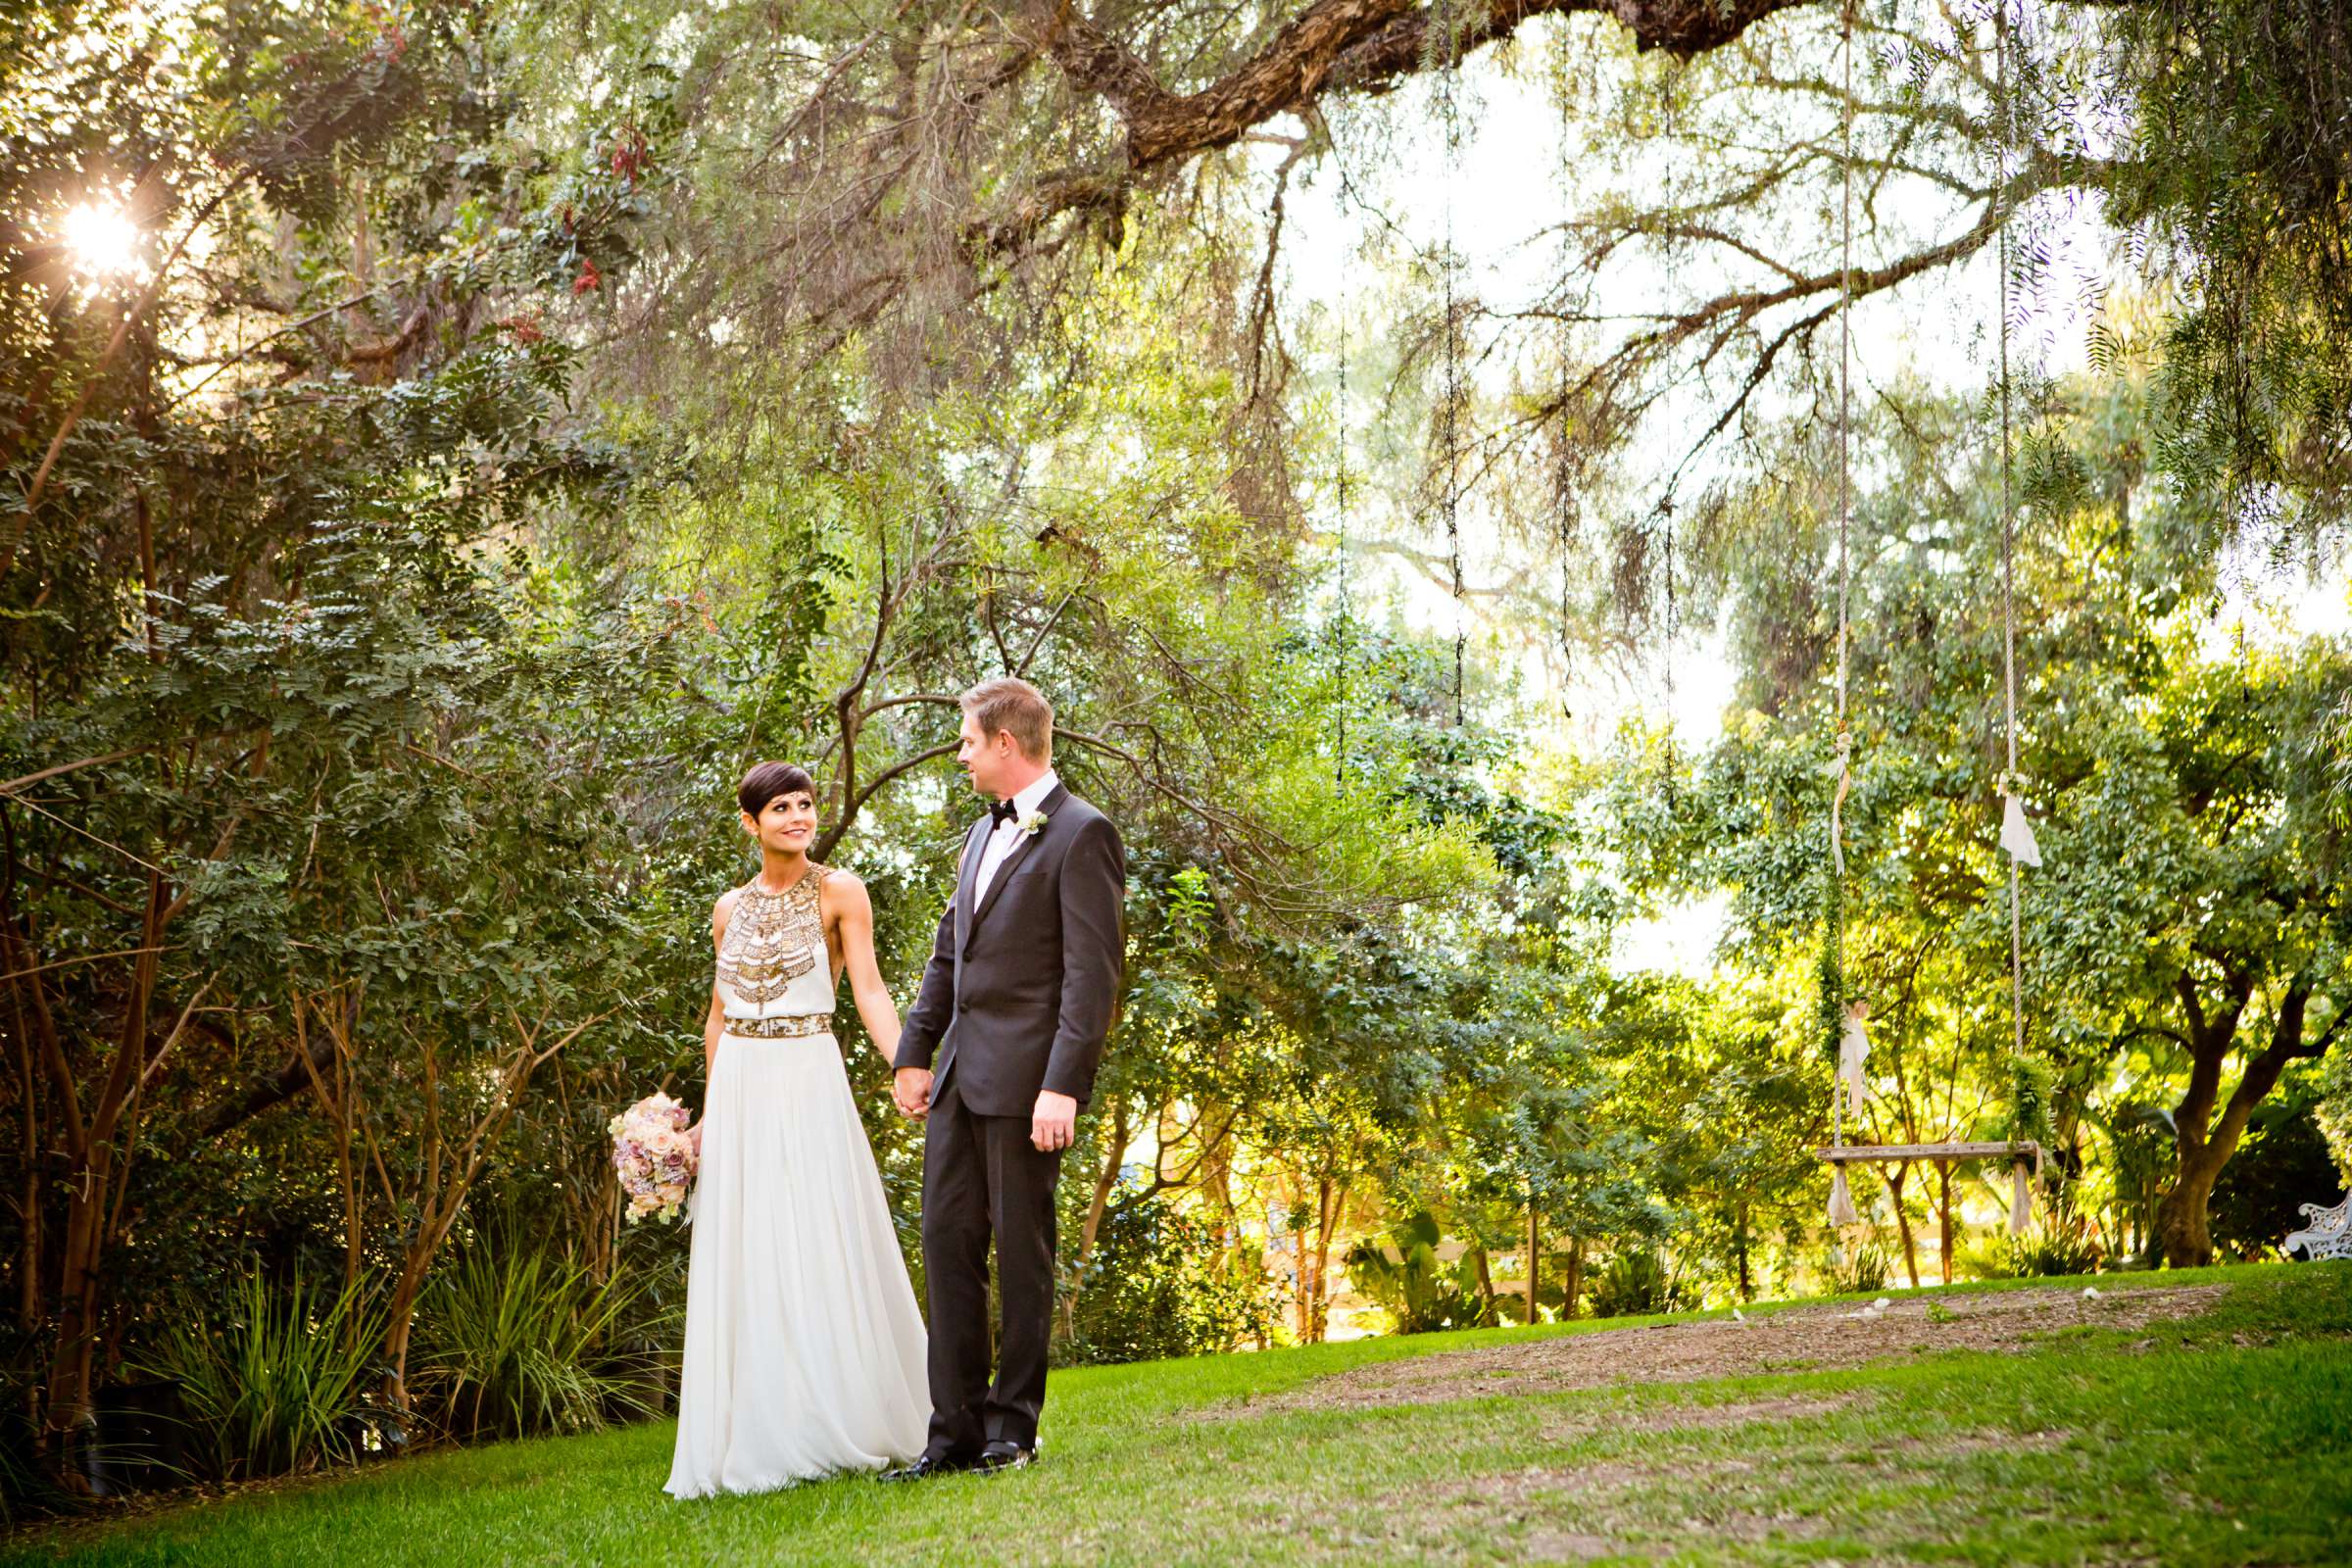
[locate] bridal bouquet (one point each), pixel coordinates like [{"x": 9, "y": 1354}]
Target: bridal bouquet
[{"x": 654, "y": 1156}]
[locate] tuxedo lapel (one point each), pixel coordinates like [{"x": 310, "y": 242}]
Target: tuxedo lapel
[
  {"x": 1020, "y": 848},
  {"x": 967, "y": 875}
]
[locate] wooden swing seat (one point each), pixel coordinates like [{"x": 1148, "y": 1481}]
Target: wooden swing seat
[{"x": 2019, "y": 1153}]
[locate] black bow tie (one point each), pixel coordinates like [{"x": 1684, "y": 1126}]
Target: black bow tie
[{"x": 1000, "y": 814}]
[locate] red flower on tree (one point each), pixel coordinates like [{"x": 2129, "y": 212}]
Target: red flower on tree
[
  {"x": 589, "y": 277},
  {"x": 630, "y": 154}
]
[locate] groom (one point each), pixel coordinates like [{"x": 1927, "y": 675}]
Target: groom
[{"x": 1022, "y": 984}]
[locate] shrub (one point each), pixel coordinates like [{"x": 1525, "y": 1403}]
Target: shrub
[
  {"x": 1419, "y": 1292},
  {"x": 514, "y": 1340},
  {"x": 1858, "y": 1271},
  {"x": 1158, "y": 1285},
  {"x": 2042, "y": 1250},
  {"x": 282, "y": 1384},
  {"x": 2281, "y": 1162},
  {"x": 1639, "y": 1284},
  {"x": 2039, "y": 1252}
]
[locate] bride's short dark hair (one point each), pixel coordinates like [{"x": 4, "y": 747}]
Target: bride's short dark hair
[{"x": 768, "y": 780}]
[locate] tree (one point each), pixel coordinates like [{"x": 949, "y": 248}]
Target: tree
[
  {"x": 2188, "y": 908},
  {"x": 256, "y": 608}
]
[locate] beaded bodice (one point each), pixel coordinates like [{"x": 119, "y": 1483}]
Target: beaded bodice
[{"x": 772, "y": 960}]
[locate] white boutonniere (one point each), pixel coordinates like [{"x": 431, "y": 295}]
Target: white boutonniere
[{"x": 1033, "y": 823}]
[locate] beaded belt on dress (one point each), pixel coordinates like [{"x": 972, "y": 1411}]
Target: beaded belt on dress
[{"x": 781, "y": 1027}]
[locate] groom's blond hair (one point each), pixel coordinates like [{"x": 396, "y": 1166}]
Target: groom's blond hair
[{"x": 1014, "y": 705}]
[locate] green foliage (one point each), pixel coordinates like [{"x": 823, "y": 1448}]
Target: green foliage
[
  {"x": 514, "y": 1340},
  {"x": 1829, "y": 968},
  {"x": 1419, "y": 1292},
  {"x": 281, "y": 1382},
  {"x": 1156, "y": 1285},
  {"x": 2241, "y": 159},
  {"x": 2283, "y": 1162},
  {"x": 2031, "y": 1079},
  {"x": 1860, "y": 1270},
  {"x": 2044, "y": 1250},
  {"x": 1640, "y": 1282}
]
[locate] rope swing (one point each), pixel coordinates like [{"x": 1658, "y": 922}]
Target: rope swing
[
  {"x": 1851, "y": 1089},
  {"x": 2017, "y": 832},
  {"x": 1449, "y": 83},
  {"x": 1853, "y": 1048}
]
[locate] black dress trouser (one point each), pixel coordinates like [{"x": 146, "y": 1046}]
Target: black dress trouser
[{"x": 982, "y": 1177}]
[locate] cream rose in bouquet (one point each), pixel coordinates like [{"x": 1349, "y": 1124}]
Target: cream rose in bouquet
[{"x": 655, "y": 1156}]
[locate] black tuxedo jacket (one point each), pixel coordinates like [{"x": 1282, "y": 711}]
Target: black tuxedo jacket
[{"x": 1024, "y": 983}]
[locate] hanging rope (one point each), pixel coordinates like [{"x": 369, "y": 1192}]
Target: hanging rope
[
  {"x": 1842, "y": 1200},
  {"x": 2024, "y": 1154},
  {"x": 1845, "y": 479},
  {"x": 1666, "y": 755},
  {"x": 1454, "y": 354},
  {"x": 2017, "y": 833},
  {"x": 1346, "y": 571},
  {"x": 1562, "y": 500}
]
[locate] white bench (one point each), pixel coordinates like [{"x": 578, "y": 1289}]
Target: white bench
[{"x": 2326, "y": 1235}]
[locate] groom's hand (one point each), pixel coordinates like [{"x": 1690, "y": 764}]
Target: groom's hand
[
  {"x": 1051, "y": 1124},
  {"x": 910, "y": 1088}
]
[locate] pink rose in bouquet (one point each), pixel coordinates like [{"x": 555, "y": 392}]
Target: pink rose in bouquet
[{"x": 654, "y": 1157}]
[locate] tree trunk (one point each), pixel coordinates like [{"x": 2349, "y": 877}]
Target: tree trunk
[
  {"x": 1574, "y": 1288},
  {"x": 1943, "y": 1214},
  {"x": 1301, "y": 1311},
  {"x": 81, "y": 1294},
  {"x": 396, "y": 1332},
  {"x": 335, "y": 1105},
  {"x": 28, "y": 1260},
  {"x": 2204, "y": 1144},
  {"x": 442, "y": 1193},
  {"x": 1330, "y": 1200},
  {"x": 2180, "y": 1217},
  {"x": 1113, "y": 1157},
  {"x": 1532, "y": 1261},
  {"x": 1902, "y": 1220}
]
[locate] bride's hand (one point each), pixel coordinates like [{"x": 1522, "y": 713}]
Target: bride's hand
[{"x": 694, "y": 1136}]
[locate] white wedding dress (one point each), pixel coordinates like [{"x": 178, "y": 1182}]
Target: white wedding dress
[{"x": 804, "y": 1346}]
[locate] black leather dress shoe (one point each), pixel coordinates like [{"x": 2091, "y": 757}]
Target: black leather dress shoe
[
  {"x": 929, "y": 1466},
  {"x": 1002, "y": 1456}
]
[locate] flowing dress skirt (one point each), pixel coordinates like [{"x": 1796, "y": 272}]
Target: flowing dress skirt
[{"x": 804, "y": 1350}]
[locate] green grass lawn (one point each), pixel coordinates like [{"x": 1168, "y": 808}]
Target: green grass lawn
[{"x": 2224, "y": 1438}]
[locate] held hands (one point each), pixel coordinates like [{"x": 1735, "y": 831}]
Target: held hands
[
  {"x": 910, "y": 1091},
  {"x": 1051, "y": 1124}
]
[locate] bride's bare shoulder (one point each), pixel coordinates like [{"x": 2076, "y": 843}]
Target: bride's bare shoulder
[
  {"x": 725, "y": 908},
  {"x": 839, "y": 886},
  {"x": 842, "y": 896}
]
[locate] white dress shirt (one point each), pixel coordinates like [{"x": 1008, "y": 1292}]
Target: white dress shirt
[{"x": 1002, "y": 839}]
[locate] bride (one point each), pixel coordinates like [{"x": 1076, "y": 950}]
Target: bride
[{"x": 804, "y": 1347}]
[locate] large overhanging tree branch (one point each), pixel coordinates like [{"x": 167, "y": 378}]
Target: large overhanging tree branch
[
  {"x": 934, "y": 114},
  {"x": 1360, "y": 46},
  {"x": 1357, "y": 45}
]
